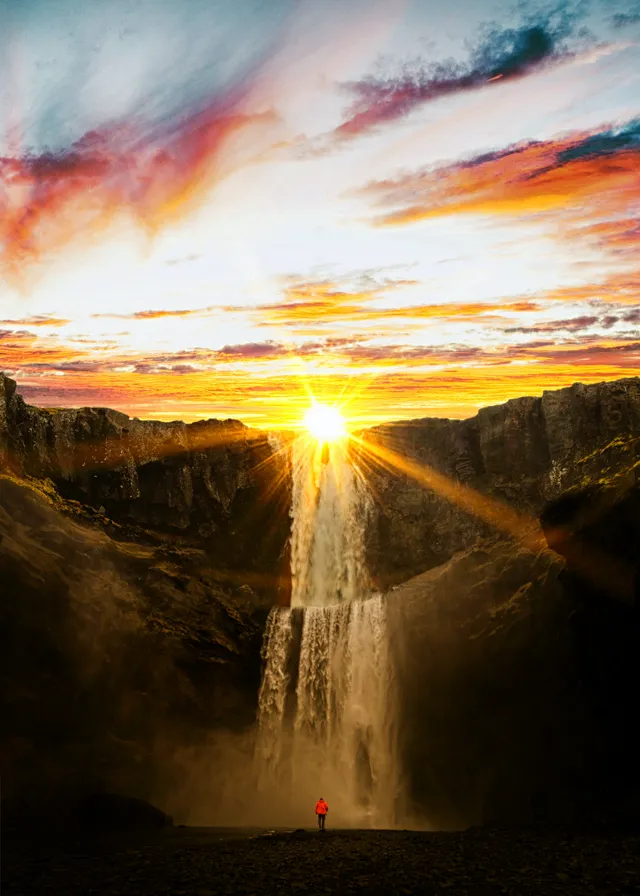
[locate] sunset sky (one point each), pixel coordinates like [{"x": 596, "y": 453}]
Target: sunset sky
[{"x": 210, "y": 208}]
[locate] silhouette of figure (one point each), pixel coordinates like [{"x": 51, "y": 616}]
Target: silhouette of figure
[{"x": 321, "y": 811}]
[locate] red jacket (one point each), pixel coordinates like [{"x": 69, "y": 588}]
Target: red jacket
[{"x": 321, "y": 808}]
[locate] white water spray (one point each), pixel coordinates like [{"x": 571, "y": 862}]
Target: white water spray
[{"x": 327, "y": 701}]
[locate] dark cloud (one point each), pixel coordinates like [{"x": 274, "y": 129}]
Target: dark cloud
[
  {"x": 601, "y": 320},
  {"x": 499, "y": 54},
  {"x": 571, "y": 324},
  {"x": 604, "y": 143},
  {"x": 626, "y": 19},
  {"x": 250, "y": 350}
]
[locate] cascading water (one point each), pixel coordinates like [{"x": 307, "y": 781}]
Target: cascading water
[
  {"x": 326, "y": 706},
  {"x": 328, "y": 510}
]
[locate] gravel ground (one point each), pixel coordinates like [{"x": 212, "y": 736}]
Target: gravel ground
[{"x": 191, "y": 862}]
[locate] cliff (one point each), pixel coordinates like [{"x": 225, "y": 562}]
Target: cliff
[
  {"x": 115, "y": 655},
  {"x": 519, "y": 667},
  {"x": 524, "y": 453},
  {"x": 138, "y": 561},
  {"x": 217, "y": 484}
]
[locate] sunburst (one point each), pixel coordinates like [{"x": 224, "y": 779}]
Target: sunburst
[{"x": 325, "y": 423}]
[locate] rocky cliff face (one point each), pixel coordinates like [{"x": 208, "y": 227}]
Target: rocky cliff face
[
  {"x": 138, "y": 561},
  {"x": 114, "y": 655},
  {"x": 519, "y": 669},
  {"x": 214, "y": 483},
  {"x": 525, "y": 453}
]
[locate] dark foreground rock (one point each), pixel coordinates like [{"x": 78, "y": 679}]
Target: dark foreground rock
[{"x": 401, "y": 863}]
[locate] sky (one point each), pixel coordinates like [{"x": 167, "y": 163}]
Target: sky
[{"x": 217, "y": 209}]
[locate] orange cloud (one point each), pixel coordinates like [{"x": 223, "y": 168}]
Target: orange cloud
[
  {"x": 38, "y": 320},
  {"x": 319, "y": 304},
  {"x": 153, "y": 315},
  {"x": 48, "y": 200},
  {"x": 600, "y": 168},
  {"x": 379, "y": 381},
  {"x": 620, "y": 288}
]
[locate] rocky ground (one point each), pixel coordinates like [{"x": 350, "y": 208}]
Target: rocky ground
[{"x": 192, "y": 862}]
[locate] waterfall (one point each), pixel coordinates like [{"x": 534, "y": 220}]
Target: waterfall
[
  {"x": 328, "y": 510},
  {"x": 326, "y": 718}
]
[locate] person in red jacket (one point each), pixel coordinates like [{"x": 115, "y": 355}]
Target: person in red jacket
[{"x": 321, "y": 811}]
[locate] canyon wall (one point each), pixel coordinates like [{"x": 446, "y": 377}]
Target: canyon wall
[
  {"x": 519, "y": 666},
  {"x": 525, "y": 453},
  {"x": 138, "y": 561},
  {"x": 217, "y": 484}
]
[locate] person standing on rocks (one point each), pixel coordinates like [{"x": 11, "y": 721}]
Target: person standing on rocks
[{"x": 321, "y": 811}]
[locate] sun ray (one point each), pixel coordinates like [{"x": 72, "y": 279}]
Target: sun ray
[{"x": 600, "y": 568}]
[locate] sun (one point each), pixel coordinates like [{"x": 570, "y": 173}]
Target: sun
[{"x": 325, "y": 423}]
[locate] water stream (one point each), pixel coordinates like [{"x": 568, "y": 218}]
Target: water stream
[{"x": 327, "y": 702}]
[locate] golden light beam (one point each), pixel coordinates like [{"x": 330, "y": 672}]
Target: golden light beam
[
  {"x": 607, "y": 573},
  {"x": 490, "y": 510}
]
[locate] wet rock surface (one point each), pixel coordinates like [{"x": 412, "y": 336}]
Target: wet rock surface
[{"x": 203, "y": 863}]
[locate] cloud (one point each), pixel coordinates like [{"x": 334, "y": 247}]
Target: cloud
[
  {"x": 500, "y": 54},
  {"x": 37, "y": 320},
  {"x": 602, "y": 320},
  {"x": 599, "y": 169},
  {"x": 46, "y": 200},
  {"x": 381, "y": 381},
  {"x": 626, "y": 19},
  {"x": 153, "y": 169},
  {"x": 322, "y": 303},
  {"x": 572, "y": 324},
  {"x": 154, "y": 315},
  {"x": 185, "y": 260},
  {"x": 250, "y": 350},
  {"x": 619, "y": 288}
]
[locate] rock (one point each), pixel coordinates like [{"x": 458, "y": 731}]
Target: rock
[
  {"x": 138, "y": 561},
  {"x": 596, "y": 528},
  {"x": 488, "y": 696},
  {"x": 524, "y": 453},
  {"x": 519, "y": 671},
  {"x": 116, "y": 812},
  {"x": 114, "y": 656},
  {"x": 207, "y": 480}
]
